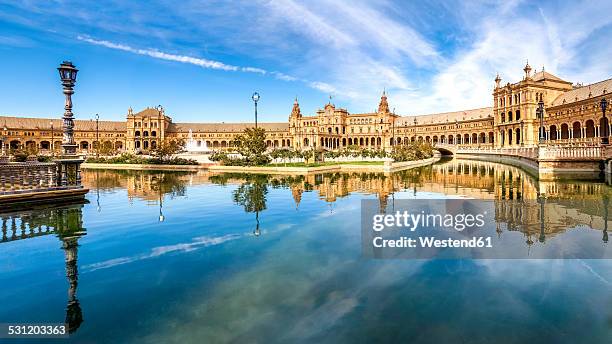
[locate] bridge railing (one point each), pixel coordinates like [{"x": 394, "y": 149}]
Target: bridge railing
[
  {"x": 27, "y": 176},
  {"x": 588, "y": 151},
  {"x": 570, "y": 152}
]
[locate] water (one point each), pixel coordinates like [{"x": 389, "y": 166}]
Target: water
[{"x": 270, "y": 259}]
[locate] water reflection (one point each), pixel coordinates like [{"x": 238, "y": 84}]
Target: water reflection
[
  {"x": 251, "y": 195},
  {"x": 63, "y": 221},
  {"x": 522, "y": 201},
  {"x": 174, "y": 262}
]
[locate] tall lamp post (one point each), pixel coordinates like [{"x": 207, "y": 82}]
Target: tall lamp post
[
  {"x": 4, "y": 138},
  {"x": 52, "y": 139},
  {"x": 255, "y": 98},
  {"x": 97, "y": 136},
  {"x": 540, "y": 114},
  {"x": 605, "y": 126},
  {"x": 68, "y": 74},
  {"x": 68, "y": 166}
]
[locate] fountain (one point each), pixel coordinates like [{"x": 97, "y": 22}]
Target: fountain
[{"x": 195, "y": 146}]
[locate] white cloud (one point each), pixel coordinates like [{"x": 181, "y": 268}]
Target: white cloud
[{"x": 170, "y": 57}]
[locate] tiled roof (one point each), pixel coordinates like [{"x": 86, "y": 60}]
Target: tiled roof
[
  {"x": 44, "y": 124},
  {"x": 584, "y": 92},
  {"x": 148, "y": 112},
  {"x": 444, "y": 116},
  {"x": 225, "y": 127},
  {"x": 543, "y": 75}
]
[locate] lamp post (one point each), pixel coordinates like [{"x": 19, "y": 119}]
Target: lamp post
[
  {"x": 52, "y": 139},
  {"x": 605, "y": 126},
  {"x": 68, "y": 74},
  {"x": 255, "y": 98},
  {"x": 540, "y": 114},
  {"x": 4, "y": 138},
  {"x": 97, "y": 136}
]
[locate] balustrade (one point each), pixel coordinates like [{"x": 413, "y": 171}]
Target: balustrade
[
  {"x": 27, "y": 177},
  {"x": 576, "y": 150}
]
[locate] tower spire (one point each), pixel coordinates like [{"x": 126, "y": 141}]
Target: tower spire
[
  {"x": 383, "y": 106},
  {"x": 527, "y": 70},
  {"x": 295, "y": 112}
]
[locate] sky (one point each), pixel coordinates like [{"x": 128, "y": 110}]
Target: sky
[{"x": 202, "y": 60}]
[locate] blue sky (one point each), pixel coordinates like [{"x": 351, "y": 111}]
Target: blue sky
[{"x": 202, "y": 60}]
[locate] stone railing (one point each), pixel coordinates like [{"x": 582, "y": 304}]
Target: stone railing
[
  {"x": 548, "y": 152},
  {"x": 570, "y": 153},
  {"x": 27, "y": 177}
]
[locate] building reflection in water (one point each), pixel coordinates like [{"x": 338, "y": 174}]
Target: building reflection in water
[
  {"x": 64, "y": 221},
  {"x": 522, "y": 202}
]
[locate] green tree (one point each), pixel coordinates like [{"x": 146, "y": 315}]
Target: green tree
[
  {"x": 252, "y": 146},
  {"x": 165, "y": 149},
  {"x": 107, "y": 148}
]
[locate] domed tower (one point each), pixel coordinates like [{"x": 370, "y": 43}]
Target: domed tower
[
  {"x": 295, "y": 112},
  {"x": 383, "y": 106}
]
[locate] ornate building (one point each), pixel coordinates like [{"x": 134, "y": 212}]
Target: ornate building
[{"x": 572, "y": 115}]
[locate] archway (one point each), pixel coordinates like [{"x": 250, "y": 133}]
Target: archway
[
  {"x": 576, "y": 130},
  {"x": 517, "y": 134},
  {"x": 552, "y": 132},
  {"x": 590, "y": 128},
  {"x": 564, "y": 131}
]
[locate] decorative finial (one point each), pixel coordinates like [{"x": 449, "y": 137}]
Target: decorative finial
[{"x": 527, "y": 70}]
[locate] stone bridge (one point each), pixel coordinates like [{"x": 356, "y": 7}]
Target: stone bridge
[{"x": 548, "y": 161}]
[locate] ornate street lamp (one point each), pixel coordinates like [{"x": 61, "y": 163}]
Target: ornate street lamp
[
  {"x": 540, "y": 114},
  {"x": 97, "y": 136},
  {"x": 68, "y": 74},
  {"x": 604, "y": 127},
  {"x": 255, "y": 98},
  {"x": 68, "y": 166}
]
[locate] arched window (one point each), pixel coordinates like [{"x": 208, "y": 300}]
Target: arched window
[
  {"x": 590, "y": 128},
  {"x": 576, "y": 130},
  {"x": 518, "y": 115},
  {"x": 552, "y": 132}
]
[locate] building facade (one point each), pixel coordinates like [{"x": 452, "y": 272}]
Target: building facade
[{"x": 572, "y": 116}]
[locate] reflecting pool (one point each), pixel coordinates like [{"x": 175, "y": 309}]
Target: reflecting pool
[{"x": 192, "y": 257}]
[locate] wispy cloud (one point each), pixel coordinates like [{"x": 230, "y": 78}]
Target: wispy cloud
[
  {"x": 204, "y": 63},
  {"x": 430, "y": 56},
  {"x": 169, "y": 57},
  {"x": 155, "y": 252}
]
